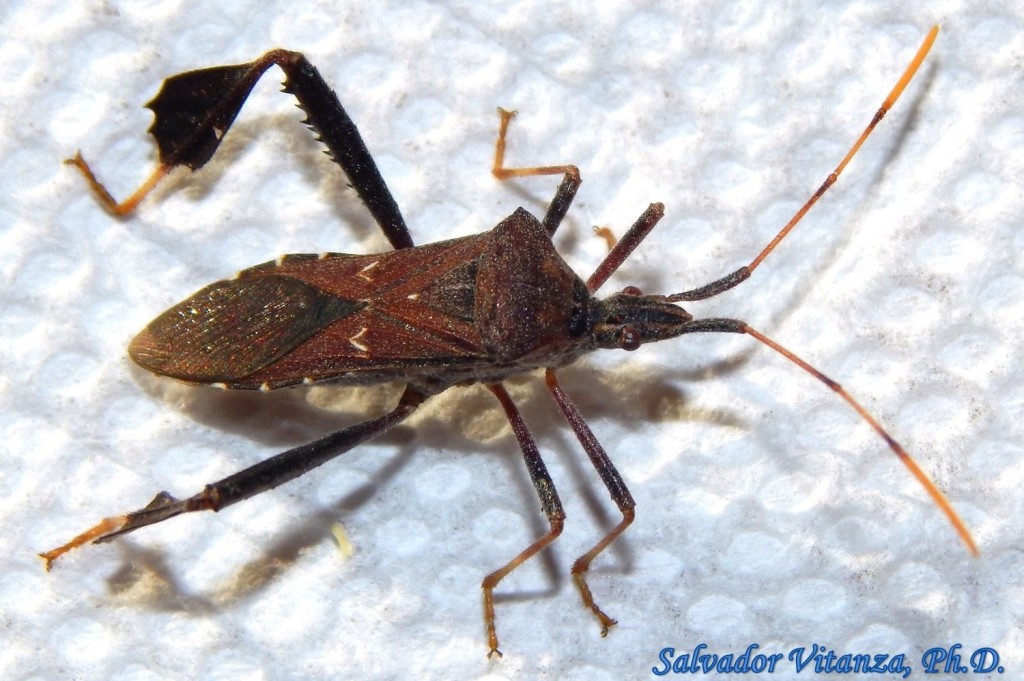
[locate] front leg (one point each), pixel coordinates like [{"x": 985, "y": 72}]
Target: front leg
[
  {"x": 616, "y": 488},
  {"x": 195, "y": 109}
]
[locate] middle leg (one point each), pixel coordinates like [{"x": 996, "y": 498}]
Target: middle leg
[
  {"x": 566, "y": 191},
  {"x": 549, "y": 501}
]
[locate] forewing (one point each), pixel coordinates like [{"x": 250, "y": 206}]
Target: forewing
[
  {"x": 232, "y": 328},
  {"x": 317, "y": 317}
]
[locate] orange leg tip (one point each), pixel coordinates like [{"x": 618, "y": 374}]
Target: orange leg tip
[
  {"x": 103, "y": 528},
  {"x": 116, "y": 208},
  {"x": 48, "y": 559},
  {"x": 606, "y": 234}
]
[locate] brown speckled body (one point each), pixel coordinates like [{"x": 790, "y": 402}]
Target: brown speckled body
[{"x": 477, "y": 308}]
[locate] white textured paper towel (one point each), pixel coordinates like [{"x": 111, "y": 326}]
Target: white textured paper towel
[{"x": 767, "y": 513}]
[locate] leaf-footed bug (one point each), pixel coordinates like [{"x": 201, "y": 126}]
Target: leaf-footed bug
[{"x": 476, "y": 309}]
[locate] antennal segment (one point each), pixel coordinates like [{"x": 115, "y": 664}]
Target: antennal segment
[
  {"x": 737, "y": 326},
  {"x": 742, "y": 274}
]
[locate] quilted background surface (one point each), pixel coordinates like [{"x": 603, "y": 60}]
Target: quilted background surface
[{"x": 767, "y": 513}]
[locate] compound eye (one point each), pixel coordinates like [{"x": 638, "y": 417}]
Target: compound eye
[
  {"x": 629, "y": 338},
  {"x": 632, "y": 291}
]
